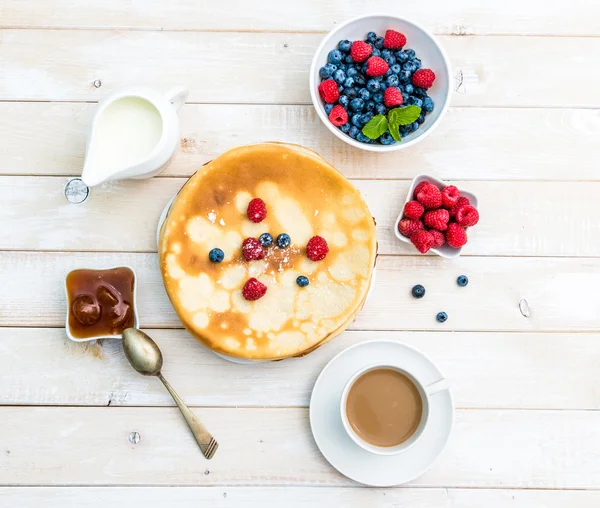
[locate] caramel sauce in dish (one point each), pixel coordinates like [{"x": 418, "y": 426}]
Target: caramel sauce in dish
[
  {"x": 100, "y": 302},
  {"x": 384, "y": 407}
]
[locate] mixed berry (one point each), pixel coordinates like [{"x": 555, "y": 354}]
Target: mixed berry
[
  {"x": 375, "y": 91},
  {"x": 436, "y": 217}
]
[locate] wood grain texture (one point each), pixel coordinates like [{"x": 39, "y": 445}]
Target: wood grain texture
[
  {"x": 517, "y": 218},
  {"x": 276, "y": 497},
  {"x": 458, "y": 18},
  {"x": 487, "y": 370},
  {"x": 470, "y": 144},
  {"x": 489, "y": 71},
  {"x": 33, "y": 292},
  {"x": 534, "y": 449}
]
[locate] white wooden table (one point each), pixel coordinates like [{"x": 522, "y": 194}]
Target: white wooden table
[{"x": 523, "y": 134}]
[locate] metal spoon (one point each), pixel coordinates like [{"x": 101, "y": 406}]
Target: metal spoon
[{"x": 145, "y": 357}]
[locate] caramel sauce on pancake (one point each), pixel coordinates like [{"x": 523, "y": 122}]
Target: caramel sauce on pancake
[{"x": 305, "y": 196}]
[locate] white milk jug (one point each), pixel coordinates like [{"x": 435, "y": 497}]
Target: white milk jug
[{"x": 133, "y": 134}]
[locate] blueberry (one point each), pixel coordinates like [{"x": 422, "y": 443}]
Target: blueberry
[
  {"x": 328, "y": 108},
  {"x": 339, "y": 76},
  {"x": 378, "y": 97},
  {"x": 392, "y": 80},
  {"x": 401, "y": 56},
  {"x": 351, "y": 93},
  {"x": 387, "y": 139},
  {"x": 345, "y": 128},
  {"x": 462, "y": 281},
  {"x": 266, "y": 240},
  {"x": 420, "y": 92},
  {"x": 408, "y": 66},
  {"x": 428, "y": 104},
  {"x": 369, "y": 106},
  {"x": 416, "y": 62},
  {"x": 390, "y": 60},
  {"x": 283, "y": 240},
  {"x": 396, "y": 68},
  {"x": 344, "y": 101},
  {"x": 302, "y": 281},
  {"x": 406, "y": 99},
  {"x": 364, "y": 94},
  {"x": 383, "y": 87},
  {"x": 348, "y": 60},
  {"x": 216, "y": 255},
  {"x": 421, "y": 118},
  {"x": 366, "y": 118},
  {"x": 379, "y": 42},
  {"x": 334, "y": 56},
  {"x": 362, "y": 138},
  {"x": 353, "y": 132},
  {"x": 344, "y": 45},
  {"x": 408, "y": 88},
  {"x": 363, "y": 68},
  {"x": 441, "y": 317},
  {"x": 385, "y": 53},
  {"x": 327, "y": 70},
  {"x": 380, "y": 109},
  {"x": 359, "y": 80},
  {"x": 404, "y": 131},
  {"x": 343, "y": 67},
  {"x": 418, "y": 291},
  {"x": 388, "y": 72},
  {"x": 351, "y": 72},
  {"x": 414, "y": 126},
  {"x": 418, "y": 102},
  {"x": 356, "y": 120},
  {"x": 404, "y": 76},
  {"x": 357, "y": 104},
  {"x": 340, "y": 89},
  {"x": 410, "y": 53},
  {"x": 375, "y": 52},
  {"x": 373, "y": 85},
  {"x": 349, "y": 82},
  {"x": 371, "y": 37}
]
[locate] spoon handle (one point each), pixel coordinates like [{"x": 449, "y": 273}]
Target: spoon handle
[{"x": 205, "y": 441}]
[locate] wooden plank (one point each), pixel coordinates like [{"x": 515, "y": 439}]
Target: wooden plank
[
  {"x": 503, "y": 144},
  {"x": 563, "y": 294},
  {"x": 275, "y": 497},
  {"x": 547, "y": 371},
  {"x": 490, "y": 71},
  {"x": 458, "y": 18},
  {"x": 536, "y": 219},
  {"x": 90, "y": 446}
]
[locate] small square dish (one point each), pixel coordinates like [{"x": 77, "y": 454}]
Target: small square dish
[
  {"x": 445, "y": 251},
  {"x": 100, "y": 303}
]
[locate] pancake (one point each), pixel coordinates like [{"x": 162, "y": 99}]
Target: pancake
[{"x": 305, "y": 196}]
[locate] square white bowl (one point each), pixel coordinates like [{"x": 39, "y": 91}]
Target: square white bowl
[
  {"x": 418, "y": 38},
  {"x": 136, "y": 323},
  {"x": 446, "y": 251}
]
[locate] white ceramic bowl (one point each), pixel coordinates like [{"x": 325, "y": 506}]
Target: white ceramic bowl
[
  {"x": 418, "y": 38},
  {"x": 446, "y": 251}
]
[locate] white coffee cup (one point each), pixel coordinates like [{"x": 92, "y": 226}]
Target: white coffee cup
[{"x": 425, "y": 391}]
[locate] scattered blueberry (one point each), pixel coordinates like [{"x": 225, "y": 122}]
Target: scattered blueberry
[
  {"x": 371, "y": 37},
  {"x": 401, "y": 56},
  {"x": 348, "y": 60},
  {"x": 360, "y": 80},
  {"x": 386, "y": 138},
  {"x": 418, "y": 102},
  {"x": 266, "y": 240},
  {"x": 428, "y": 104},
  {"x": 392, "y": 80},
  {"x": 364, "y": 94},
  {"x": 441, "y": 317},
  {"x": 369, "y": 105},
  {"x": 346, "y": 128},
  {"x": 420, "y": 92},
  {"x": 351, "y": 72},
  {"x": 373, "y": 85},
  {"x": 328, "y": 108},
  {"x": 216, "y": 255},
  {"x": 383, "y": 87},
  {"x": 390, "y": 60},
  {"x": 334, "y": 56},
  {"x": 357, "y": 104},
  {"x": 377, "y": 97},
  {"x": 353, "y": 132},
  {"x": 408, "y": 66},
  {"x": 380, "y": 109},
  {"x": 404, "y": 75},
  {"x": 366, "y": 118},
  {"x": 283, "y": 240},
  {"x": 417, "y": 62},
  {"x": 418, "y": 291},
  {"x": 414, "y": 126},
  {"x": 410, "y": 53},
  {"x": 339, "y": 76},
  {"x": 344, "y": 101},
  {"x": 375, "y": 52},
  {"x": 379, "y": 43},
  {"x": 351, "y": 92},
  {"x": 302, "y": 281},
  {"x": 343, "y": 66},
  {"x": 396, "y": 68},
  {"x": 349, "y": 82},
  {"x": 362, "y": 138},
  {"x": 404, "y": 131},
  {"x": 462, "y": 281},
  {"x": 421, "y": 118},
  {"x": 356, "y": 120},
  {"x": 345, "y": 45},
  {"x": 408, "y": 88}
]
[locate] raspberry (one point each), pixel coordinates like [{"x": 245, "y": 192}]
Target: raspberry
[
  {"x": 338, "y": 116},
  {"x": 252, "y": 249},
  {"x": 419, "y": 188},
  {"x": 423, "y": 78},
  {"x": 329, "y": 91},
  {"x": 437, "y": 219},
  {"x": 360, "y": 51},
  {"x": 462, "y": 201},
  {"x": 392, "y": 97},
  {"x": 376, "y": 66},
  {"x": 439, "y": 240},
  {"x": 422, "y": 240},
  {"x": 253, "y": 289},
  {"x": 316, "y": 248},
  {"x": 257, "y": 210},
  {"x": 413, "y": 210},
  {"x": 430, "y": 197},
  {"x": 456, "y": 236},
  {"x": 393, "y": 40},
  {"x": 450, "y": 196},
  {"x": 467, "y": 216},
  {"x": 407, "y": 227}
]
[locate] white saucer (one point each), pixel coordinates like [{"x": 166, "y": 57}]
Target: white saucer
[{"x": 339, "y": 449}]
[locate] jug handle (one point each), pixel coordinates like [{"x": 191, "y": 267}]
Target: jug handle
[{"x": 177, "y": 96}]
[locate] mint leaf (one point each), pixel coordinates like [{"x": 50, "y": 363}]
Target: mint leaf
[
  {"x": 405, "y": 115},
  {"x": 395, "y": 131},
  {"x": 376, "y": 127}
]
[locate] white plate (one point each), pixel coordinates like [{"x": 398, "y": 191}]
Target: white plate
[{"x": 339, "y": 449}]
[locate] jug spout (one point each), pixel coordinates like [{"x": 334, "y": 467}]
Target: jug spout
[{"x": 93, "y": 178}]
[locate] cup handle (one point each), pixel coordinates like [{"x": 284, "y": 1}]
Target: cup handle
[
  {"x": 437, "y": 386},
  {"x": 177, "y": 96}
]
